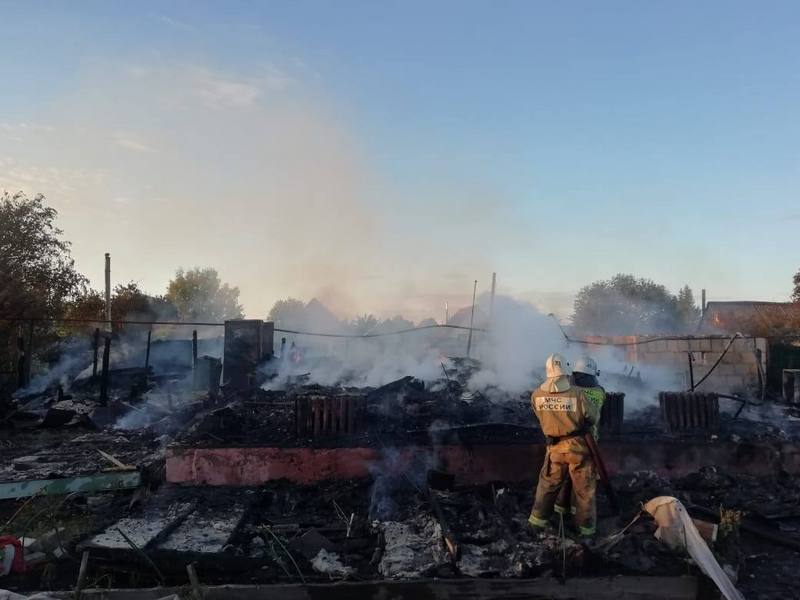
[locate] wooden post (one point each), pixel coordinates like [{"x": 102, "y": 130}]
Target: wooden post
[
  {"x": 29, "y": 354},
  {"x": 702, "y": 303},
  {"x": 147, "y": 352},
  {"x": 104, "y": 375},
  {"x": 20, "y": 361},
  {"x": 491, "y": 301},
  {"x": 691, "y": 371},
  {"x": 194, "y": 349},
  {"x": 108, "y": 294},
  {"x": 96, "y": 350},
  {"x": 471, "y": 318},
  {"x": 82, "y": 574},
  {"x": 194, "y": 580}
]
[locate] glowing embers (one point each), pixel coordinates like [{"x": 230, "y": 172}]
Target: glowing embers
[{"x": 689, "y": 411}]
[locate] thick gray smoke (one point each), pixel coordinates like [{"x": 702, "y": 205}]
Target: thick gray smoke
[
  {"x": 512, "y": 352},
  {"x": 519, "y": 340},
  {"x": 72, "y": 356}
]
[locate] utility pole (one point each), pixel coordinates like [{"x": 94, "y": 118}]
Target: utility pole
[
  {"x": 471, "y": 318},
  {"x": 107, "y": 341},
  {"x": 702, "y": 303},
  {"x": 491, "y": 300},
  {"x": 108, "y": 293}
]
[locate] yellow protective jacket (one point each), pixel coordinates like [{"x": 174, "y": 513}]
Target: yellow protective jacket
[
  {"x": 597, "y": 396},
  {"x": 564, "y": 413}
]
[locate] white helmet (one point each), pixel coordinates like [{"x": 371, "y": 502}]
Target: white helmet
[
  {"x": 556, "y": 366},
  {"x": 586, "y": 365}
]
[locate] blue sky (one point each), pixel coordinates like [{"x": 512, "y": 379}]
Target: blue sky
[{"x": 407, "y": 148}]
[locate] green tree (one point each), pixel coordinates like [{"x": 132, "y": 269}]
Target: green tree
[
  {"x": 625, "y": 305},
  {"x": 796, "y": 291},
  {"x": 37, "y": 273},
  {"x": 688, "y": 310},
  {"x": 200, "y": 295},
  {"x": 128, "y": 303},
  {"x": 363, "y": 324},
  {"x": 396, "y": 323},
  {"x": 288, "y": 314}
]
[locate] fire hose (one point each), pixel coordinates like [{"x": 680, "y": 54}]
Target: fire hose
[{"x": 602, "y": 472}]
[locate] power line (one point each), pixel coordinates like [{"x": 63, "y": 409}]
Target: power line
[
  {"x": 663, "y": 338},
  {"x": 205, "y": 324}
]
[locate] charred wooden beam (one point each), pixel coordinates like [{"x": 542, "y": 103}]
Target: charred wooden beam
[
  {"x": 96, "y": 348},
  {"x": 104, "y": 375}
]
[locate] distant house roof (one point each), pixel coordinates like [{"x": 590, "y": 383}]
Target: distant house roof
[
  {"x": 319, "y": 318},
  {"x": 751, "y": 318},
  {"x": 463, "y": 315},
  {"x": 429, "y": 322}
]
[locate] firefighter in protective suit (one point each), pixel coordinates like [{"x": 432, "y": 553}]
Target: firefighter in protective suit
[
  {"x": 584, "y": 376},
  {"x": 565, "y": 415}
]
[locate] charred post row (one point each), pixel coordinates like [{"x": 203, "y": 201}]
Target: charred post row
[
  {"x": 613, "y": 413},
  {"x": 319, "y": 415},
  {"x": 689, "y": 411}
]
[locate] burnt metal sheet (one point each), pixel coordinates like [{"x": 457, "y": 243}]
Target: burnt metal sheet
[{"x": 98, "y": 482}]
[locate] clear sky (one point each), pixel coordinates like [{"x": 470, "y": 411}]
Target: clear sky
[{"x": 383, "y": 155}]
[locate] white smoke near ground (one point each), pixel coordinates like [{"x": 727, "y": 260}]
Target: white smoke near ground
[
  {"x": 510, "y": 356},
  {"x": 640, "y": 382},
  {"x": 519, "y": 340},
  {"x": 72, "y": 355},
  {"x": 370, "y": 362},
  {"x": 511, "y": 353}
]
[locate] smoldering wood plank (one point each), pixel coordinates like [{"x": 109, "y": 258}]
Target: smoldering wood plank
[
  {"x": 142, "y": 529},
  {"x": 204, "y": 531}
]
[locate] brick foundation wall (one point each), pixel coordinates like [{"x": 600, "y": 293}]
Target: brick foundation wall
[{"x": 737, "y": 371}]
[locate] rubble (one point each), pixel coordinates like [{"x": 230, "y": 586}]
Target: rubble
[
  {"x": 411, "y": 510},
  {"x": 411, "y": 549},
  {"x": 329, "y": 563}
]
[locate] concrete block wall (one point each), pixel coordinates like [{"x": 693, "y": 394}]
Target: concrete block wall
[{"x": 738, "y": 370}]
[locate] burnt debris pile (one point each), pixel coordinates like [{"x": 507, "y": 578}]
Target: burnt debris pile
[{"x": 163, "y": 472}]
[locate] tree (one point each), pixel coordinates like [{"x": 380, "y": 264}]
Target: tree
[
  {"x": 396, "y": 323},
  {"x": 37, "y": 272},
  {"x": 287, "y": 314},
  {"x": 199, "y": 295},
  {"x": 128, "y": 303},
  {"x": 688, "y": 311},
  {"x": 626, "y": 305},
  {"x": 796, "y": 292},
  {"x": 363, "y": 324}
]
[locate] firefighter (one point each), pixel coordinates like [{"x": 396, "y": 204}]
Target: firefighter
[
  {"x": 584, "y": 377},
  {"x": 565, "y": 415}
]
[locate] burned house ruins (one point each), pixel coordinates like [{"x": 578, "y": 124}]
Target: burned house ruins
[{"x": 187, "y": 466}]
